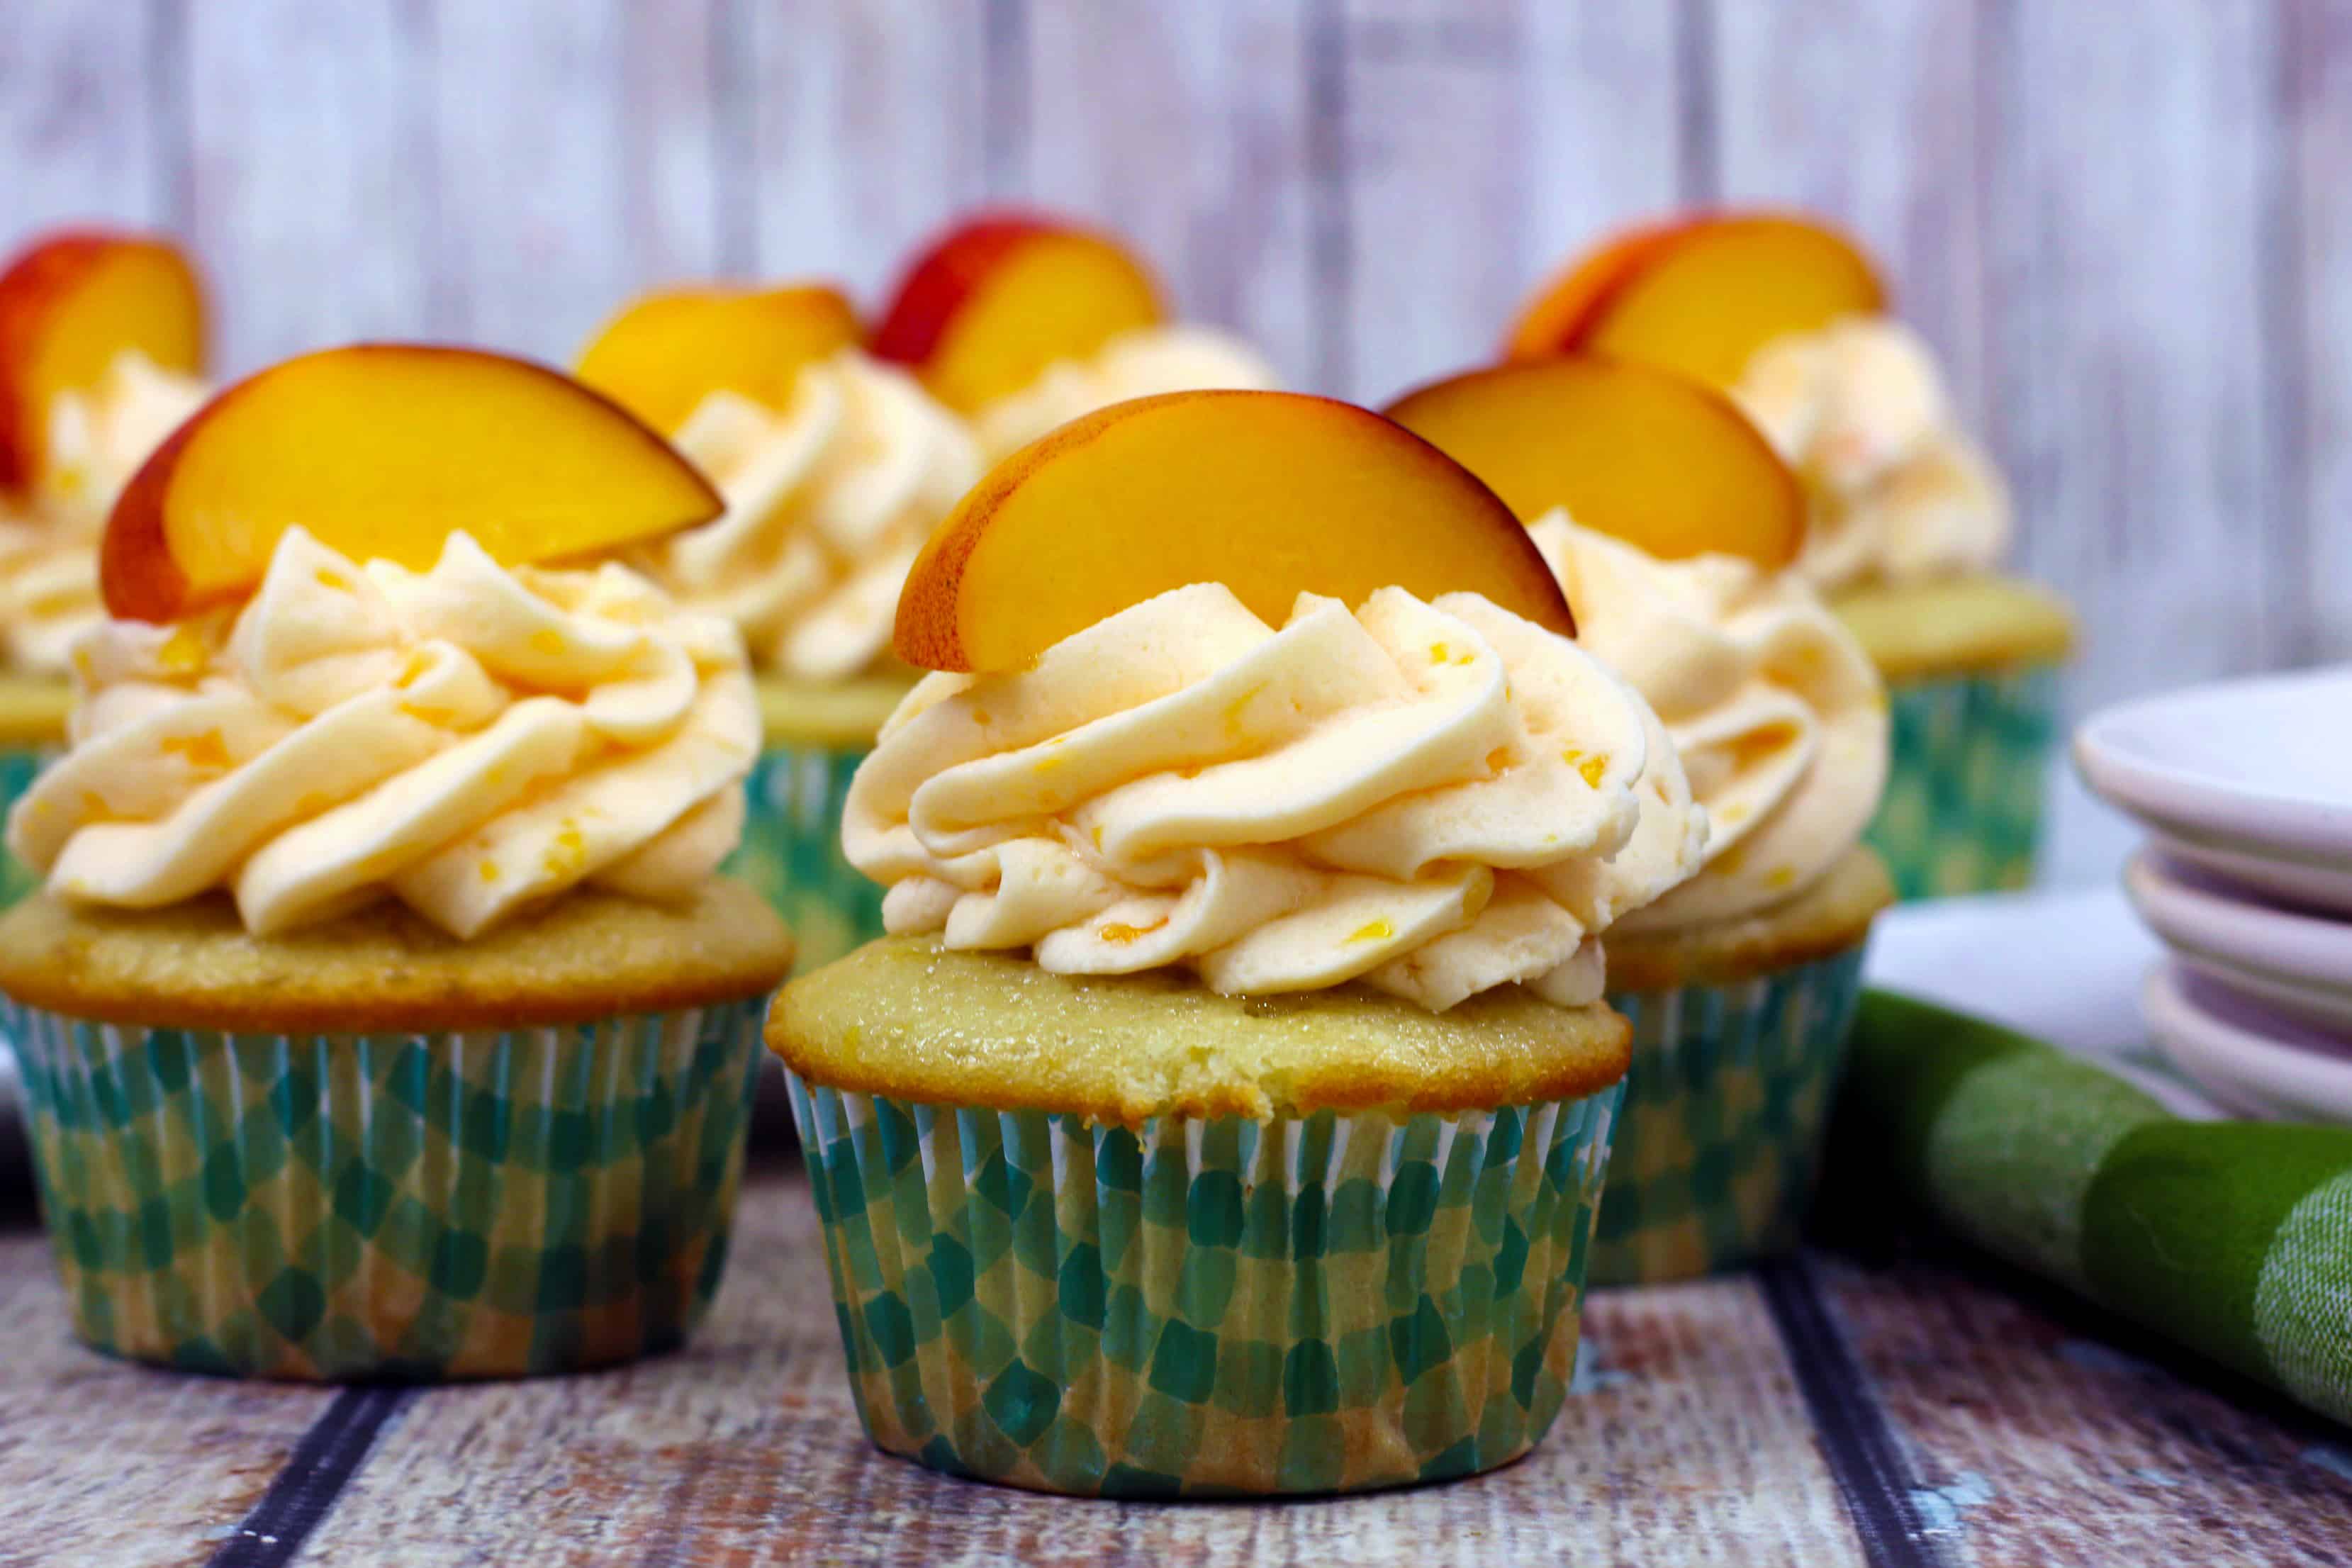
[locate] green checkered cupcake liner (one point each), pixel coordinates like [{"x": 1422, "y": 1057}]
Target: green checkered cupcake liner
[
  {"x": 792, "y": 851},
  {"x": 17, "y": 766},
  {"x": 477, "y": 1204},
  {"x": 1724, "y": 1110},
  {"x": 1205, "y": 1307},
  {"x": 1962, "y": 812}
]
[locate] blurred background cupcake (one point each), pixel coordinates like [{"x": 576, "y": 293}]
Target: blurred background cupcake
[
  {"x": 1022, "y": 321},
  {"x": 835, "y": 467},
  {"x": 102, "y": 338},
  {"x": 1908, "y": 522},
  {"x": 1229, "y": 1114},
  {"x": 1674, "y": 530},
  {"x": 380, "y": 1015}
]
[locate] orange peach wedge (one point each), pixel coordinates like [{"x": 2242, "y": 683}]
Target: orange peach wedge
[
  {"x": 1270, "y": 494},
  {"x": 1652, "y": 456},
  {"x": 384, "y": 450},
  {"x": 69, "y": 305},
  {"x": 1701, "y": 295},
  {"x": 662, "y": 355},
  {"x": 996, "y": 300}
]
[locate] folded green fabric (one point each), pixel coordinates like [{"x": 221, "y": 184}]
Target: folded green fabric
[{"x": 2233, "y": 1239}]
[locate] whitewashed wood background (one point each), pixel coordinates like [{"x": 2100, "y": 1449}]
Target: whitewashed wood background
[{"x": 2128, "y": 227}]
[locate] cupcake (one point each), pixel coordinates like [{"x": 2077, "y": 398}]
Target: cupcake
[
  {"x": 1022, "y": 322},
  {"x": 379, "y": 1016},
  {"x": 102, "y": 339},
  {"x": 1227, "y": 1112},
  {"x": 1674, "y": 531},
  {"x": 1907, "y": 524},
  {"x": 835, "y": 467}
]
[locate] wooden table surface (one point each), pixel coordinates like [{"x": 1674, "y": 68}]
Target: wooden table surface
[{"x": 1839, "y": 1409}]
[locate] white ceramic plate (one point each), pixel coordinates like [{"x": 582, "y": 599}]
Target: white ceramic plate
[
  {"x": 2248, "y": 780},
  {"x": 2253, "y": 1061},
  {"x": 2299, "y": 964}
]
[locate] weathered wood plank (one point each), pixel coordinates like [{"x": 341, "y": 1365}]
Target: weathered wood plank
[
  {"x": 1205, "y": 166},
  {"x": 2035, "y": 1441},
  {"x": 1868, "y": 112},
  {"x": 532, "y": 238},
  {"x": 102, "y": 1462},
  {"x": 312, "y": 173},
  {"x": 1690, "y": 1447},
  {"x": 2313, "y": 328},
  {"x": 78, "y": 124},
  {"x": 866, "y": 131},
  {"x": 2124, "y": 189}
]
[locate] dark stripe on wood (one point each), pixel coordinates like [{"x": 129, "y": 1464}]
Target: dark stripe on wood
[
  {"x": 1856, "y": 1441},
  {"x": 1330, "y": 222},
  {"x": 1698, "y": 152},
  {"x": 330, "y": 1454}
]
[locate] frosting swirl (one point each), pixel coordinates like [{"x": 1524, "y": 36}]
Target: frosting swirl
[
  {"x": 1435, "y": 798},
  {"x": 1139, "y": 364},
  {"x": 470, "y": 739},
  {"x": 48, "y": 546},
  {"x": 1779, "y": 717},
  {"x": 828, "y": 502},
  {"x": 1899, "y": 492}
]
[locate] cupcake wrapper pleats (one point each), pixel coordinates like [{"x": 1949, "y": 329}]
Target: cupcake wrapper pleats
[
  {"x": 1724, "y": 1110},
  {"x": 792, "y": 851},
  {"x": 484, "y": 1204},
  {"x": 1312, "y": 1304},
  {"x": 1962, "y": 812}
]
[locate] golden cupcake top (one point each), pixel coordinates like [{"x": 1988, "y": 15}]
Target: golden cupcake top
[
  {"x": 1264, "y": 687},
  {"x": 1022, "y": 322},
  {"x": 101, "y": 352},
  {"x": 1672, "y": 527},
  {"x": 1789, "y": 316},
  {"x": 338, "y": 675}
]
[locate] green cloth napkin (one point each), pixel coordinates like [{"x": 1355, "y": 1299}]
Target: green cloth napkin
[{"x": 2233, "y": 1239}]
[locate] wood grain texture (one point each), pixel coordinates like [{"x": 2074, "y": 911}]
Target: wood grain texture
[
  {"x": 1690, "y": 1447},
  {"x": 2313, "y": 323},
  {"x": 81, "y": 131},
  {"x": 103, "y": 1463},
  {"x": 2036, "y": 1441}
]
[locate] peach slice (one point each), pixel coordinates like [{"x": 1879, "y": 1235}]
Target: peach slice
[
  {"x": 662, "y": 355},
  {"x": 384, "y": 450},
  {"x": 996, "y": 300},
  {"x": 1701, "y": 296},
  {"x": 1652, "y": 456},
  {"x": 1270, "y": 494},
  {"x": 69, "y": 305}
]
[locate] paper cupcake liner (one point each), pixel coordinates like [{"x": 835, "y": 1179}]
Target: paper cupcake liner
[
  {"x": 1724, "y": 1110},
  {"x": 1314, "y": 1304},
  {"x": 1962, "y": 812},
  {"x": 792, "y": 851},
  {"x": 19, "y": 765},
  {"x": 480, "y": 1203}
]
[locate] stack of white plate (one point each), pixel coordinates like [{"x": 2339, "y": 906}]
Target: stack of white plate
[{"x": 2245, "y": 788}]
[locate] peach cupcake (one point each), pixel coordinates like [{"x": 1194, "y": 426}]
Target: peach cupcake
[
  {"x": 1022, "y": 321},
  {"x": 1228, "y": 1112},
  {"x": 835, "y": 467},
  {"x": 1673, "y": 527},
  {"x": 379, "y": 1016},
  {"x": 1907, "y": 523},
  {"x": 101, "y": 344}
]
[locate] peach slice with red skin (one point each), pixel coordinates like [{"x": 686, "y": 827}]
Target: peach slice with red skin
[
  {"x": 1701, "y": 295},
  {"x": 1270, "y": 494},
  {"x": 383, "y": 450},
  {"x": 69, "y": 305},
  {"x": 661, "y": 355},
  {"x": 999, "y": 297},
  {"x": 1652, "y": 456}
]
